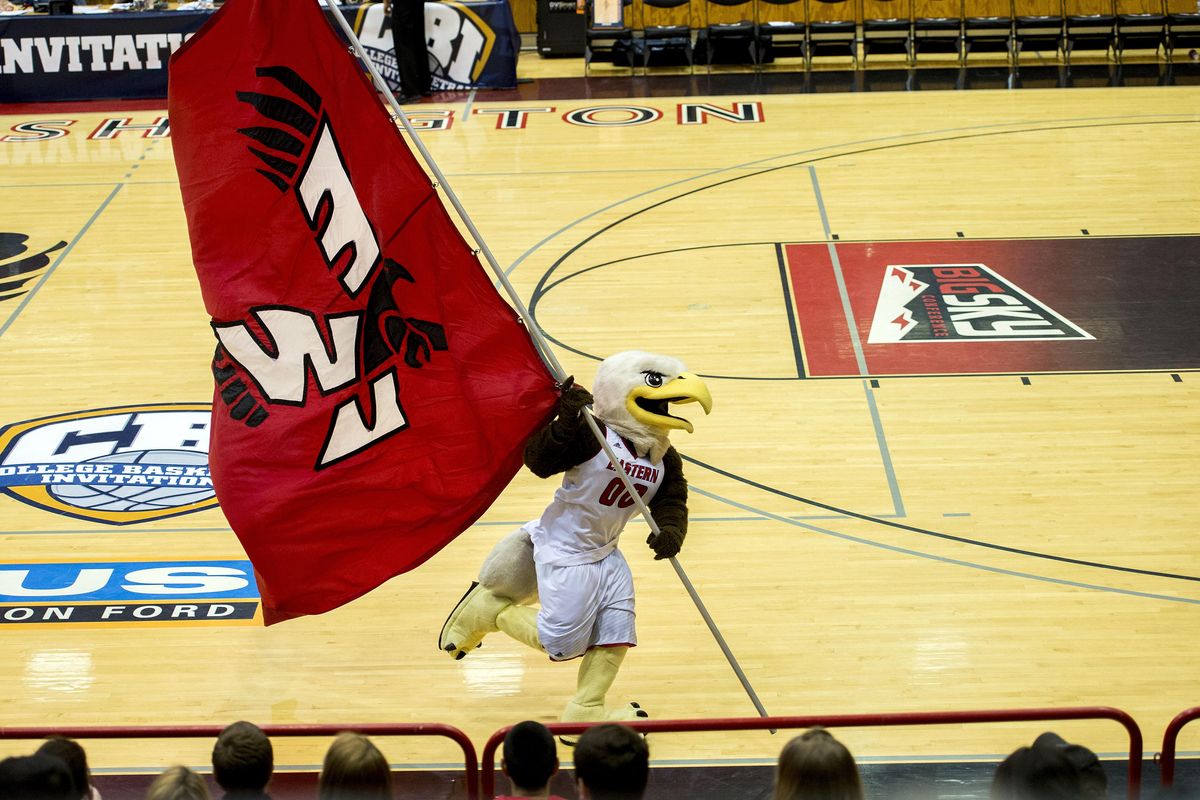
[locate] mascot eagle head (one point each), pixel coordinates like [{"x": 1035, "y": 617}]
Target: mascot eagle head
[{"x": 633, "y": 393}]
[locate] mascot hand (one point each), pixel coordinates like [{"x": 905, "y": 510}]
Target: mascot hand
[
  {"x": 574, "y": 398},
  {"x": 666, "y": 544}
]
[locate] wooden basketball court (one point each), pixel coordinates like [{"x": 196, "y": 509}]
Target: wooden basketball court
[{"x": 877, "y": 525}]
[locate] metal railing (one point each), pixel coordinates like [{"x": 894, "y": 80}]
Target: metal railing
[
  {"x": 470, "y": 759},
  {"x": 488, "y": 756},
  {"x": 1166, "y": 759}
]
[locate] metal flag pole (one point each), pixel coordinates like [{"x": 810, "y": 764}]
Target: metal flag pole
[{"x": 535, "y": 332}]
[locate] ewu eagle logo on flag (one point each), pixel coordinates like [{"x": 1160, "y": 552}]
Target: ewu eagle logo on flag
[{"x": 373, "y": 391}]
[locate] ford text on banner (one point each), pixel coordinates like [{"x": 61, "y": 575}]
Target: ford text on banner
[{"x": 373, "y": 391}]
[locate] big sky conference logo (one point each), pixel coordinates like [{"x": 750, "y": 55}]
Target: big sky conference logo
[
  {"x": 117, "y": 466},
  {"x": 964, "y": 303}
]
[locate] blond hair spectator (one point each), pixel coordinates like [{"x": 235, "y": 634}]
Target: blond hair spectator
[
  {"x": 178, "y": 783},
  {"x": 354, "y": 769}
]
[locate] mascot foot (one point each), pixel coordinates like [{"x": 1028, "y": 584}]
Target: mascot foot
[
  {"x": 575, "y": 712},
  {"x": 473, "y": 618},
  {"x": 627, "y": 713}
]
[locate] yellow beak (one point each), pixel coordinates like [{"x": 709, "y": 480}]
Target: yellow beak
[{"x": 649, "y": 405}]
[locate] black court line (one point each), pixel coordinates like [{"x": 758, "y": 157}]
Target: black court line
[
  {"x": 937, "y": 534},
  {"x": 797, "y": 350}
]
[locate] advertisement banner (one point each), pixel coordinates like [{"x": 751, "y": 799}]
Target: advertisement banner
[{"x": 124, "y": 55}]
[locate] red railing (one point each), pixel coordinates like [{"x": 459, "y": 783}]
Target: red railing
[
  {"x": 1166, "y": 759},
  {"x": 470, "y": 760},
  {"x": 488, "y": 757}
]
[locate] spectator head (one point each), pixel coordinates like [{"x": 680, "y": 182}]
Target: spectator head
[
  {"x": 1048, "y": 771},
  {"x": 612, "y": 762},
  {"x": 36, "y": 777},
  {"x": 242, "y": 758},
  {"x": 178, "y": 783},
  {"x": 354, "y": 769},
  {"x": 1093, "y": 779},
  {"x": 816, "y": 766},
  {"x": 530, "y": 757},
  {"x": 70, "y": 753}
]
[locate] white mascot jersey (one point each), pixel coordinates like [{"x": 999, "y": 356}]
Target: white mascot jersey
[{"x": 583, "y": 522}]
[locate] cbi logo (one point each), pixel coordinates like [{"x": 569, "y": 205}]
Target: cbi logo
[
  {"x": 458, "y": 38},
  {"x": 460, "y": 43},
  {"x": 137, "y": 592},
  {"x": 116, "y": 465}
]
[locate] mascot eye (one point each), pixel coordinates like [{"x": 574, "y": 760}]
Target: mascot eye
[{"x": 653, "y": 380}]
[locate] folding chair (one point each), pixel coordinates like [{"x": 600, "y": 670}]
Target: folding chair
[
  {"x": 729, "y": 28},
  {"x": 938, "y": 27},
  {"x": 1090, "y": 25},
  {"x": 781, "y": 27},
  {"x": 887, "y": 27},
  {"x": 1141, "y": 25},
  {"x": 1183, "y": 27},
  {"x": 832, "y": 28},
  {"x": 987, "y": 27},
  {"x": 1037, "y": 26},
  {"x": 608, "y": 33},
  {"x": 666, "y": 30}
]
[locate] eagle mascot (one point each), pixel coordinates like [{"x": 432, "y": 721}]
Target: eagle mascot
[{"x": 567, "y": 560}]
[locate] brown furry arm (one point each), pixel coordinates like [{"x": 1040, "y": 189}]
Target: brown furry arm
[
  {"x": 669, "y": 508},
  {"x": 566, "y": 441}
]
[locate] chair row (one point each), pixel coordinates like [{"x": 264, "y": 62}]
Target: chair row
[{"x": 638, "y": 32}]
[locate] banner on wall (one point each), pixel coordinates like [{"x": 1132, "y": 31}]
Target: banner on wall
[
  {"x": 471, "y": 45},
  {"x": 96, "y": 56}
]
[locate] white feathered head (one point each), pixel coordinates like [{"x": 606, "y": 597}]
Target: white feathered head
[{"x": 633, "y": 391}]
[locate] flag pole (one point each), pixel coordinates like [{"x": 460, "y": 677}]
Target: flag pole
[
  {"x": 440, "y": 181},
  {"x": 535, "y": 332}
]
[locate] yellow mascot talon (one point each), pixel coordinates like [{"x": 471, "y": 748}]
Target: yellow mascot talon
[{"x": 472, "y": 618}]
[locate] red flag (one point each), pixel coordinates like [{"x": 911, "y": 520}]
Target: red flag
[{"x": 373, "y": 391}]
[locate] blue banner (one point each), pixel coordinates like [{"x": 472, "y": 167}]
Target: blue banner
[
  {"x": 124, "y": 55},
  {"x": 131, "y": 582},
  {"x": 90, "y": 56}
]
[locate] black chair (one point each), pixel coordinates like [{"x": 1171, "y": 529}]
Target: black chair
[
  {"x": 1088, "y": 26},
  {"x": 781, "y": 29},
  {"x": 1183, "y": 31},
  {"x": 832, "y": 29},
  {"x": 1139, "y": 31},
  {"x": 939, "y": 34},
  {"x": 987, "y": 34},
  {"x": 1037, "y": 32},
  {"x": 734, "y": 38},
  {"x": 887, "y": 28},
  {"x": 614, "y": 40},
  {"x": 662, "y": 34}
]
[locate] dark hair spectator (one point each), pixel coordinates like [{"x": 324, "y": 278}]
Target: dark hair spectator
[
  {"x": 36, "y": 777},
  {"x": 354, "y": 769},
  {"x": 612, "y": 762},
  {"x": 816, "y": 766},
  {"x": 178, "y": 783},
  {"x": 530, "y": 759},
  {"x": 72, "y": 754},
  {"x": 1050, "y": 769},
  {"x": 242, "y": 761}
]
